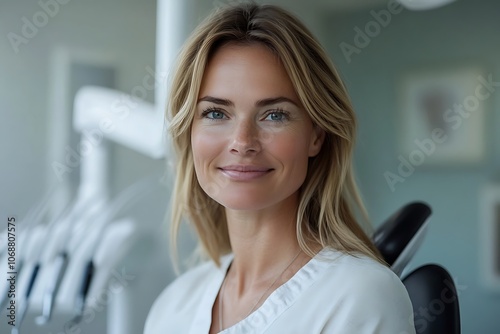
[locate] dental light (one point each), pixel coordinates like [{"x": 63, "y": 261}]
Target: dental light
[{"x": 424, "y": 4}]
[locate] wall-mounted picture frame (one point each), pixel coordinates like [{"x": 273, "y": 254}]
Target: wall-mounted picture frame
[
  {"x": 489, "y": 204},
  {"x": 441, "y": 116}
]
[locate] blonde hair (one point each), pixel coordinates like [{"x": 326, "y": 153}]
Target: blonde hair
[{"x": 329, "y": 195}]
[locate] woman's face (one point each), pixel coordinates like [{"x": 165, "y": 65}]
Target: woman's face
[{"x": 251, "y": 138}]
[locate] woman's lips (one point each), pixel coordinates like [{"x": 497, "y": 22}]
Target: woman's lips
[{"x": 244, "y": 173}]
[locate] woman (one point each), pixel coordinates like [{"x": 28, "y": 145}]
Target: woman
[{"x": 264, "y": 133}]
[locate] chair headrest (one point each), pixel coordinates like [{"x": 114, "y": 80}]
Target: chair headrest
[
  {"x": 400, "y": 235},
  {"x": 431, "y": 288}
]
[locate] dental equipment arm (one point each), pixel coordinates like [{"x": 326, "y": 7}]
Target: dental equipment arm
[
  {"x": 55, "y": 257},
  {"x": 134, "y": 124},
  {"x": 84, "y": 249}
]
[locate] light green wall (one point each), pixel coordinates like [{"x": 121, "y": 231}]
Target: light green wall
[{"x": 464, "y": 33}]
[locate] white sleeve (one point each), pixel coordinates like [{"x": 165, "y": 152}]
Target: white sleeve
[{"x": 378, "y": 303}]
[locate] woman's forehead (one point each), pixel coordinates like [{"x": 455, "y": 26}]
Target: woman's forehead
[{"x": 246, "y": 70}]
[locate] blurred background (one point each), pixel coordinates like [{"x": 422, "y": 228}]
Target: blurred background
[{"x": 425, "y": 86}]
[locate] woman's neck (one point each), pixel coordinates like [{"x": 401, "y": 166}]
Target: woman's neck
[{"x": 262, "y": 242}]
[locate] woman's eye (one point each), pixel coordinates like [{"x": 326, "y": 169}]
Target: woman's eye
[
  {"x": 213, "y": 114},
  {"x": 216, "y": 115},
  {"x": 277, "y": 116}
]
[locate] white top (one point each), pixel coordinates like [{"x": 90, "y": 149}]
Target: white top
[{"x": 334, "y": 293}]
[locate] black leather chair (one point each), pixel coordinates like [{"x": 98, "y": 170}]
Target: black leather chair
[
  {"x": 434, "y": 299},
  {"x": 430, "y": 287},
  {"x": 400, "y": 236}
]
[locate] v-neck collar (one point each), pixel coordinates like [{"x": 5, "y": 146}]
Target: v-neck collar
[
  {"x": 275, "y": 304},
  {"x": 203, "y": 317}
]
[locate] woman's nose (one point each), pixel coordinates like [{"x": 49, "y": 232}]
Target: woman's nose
[{"x": 245, "y": 138}]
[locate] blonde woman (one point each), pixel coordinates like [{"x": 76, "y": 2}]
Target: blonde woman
[{"x": 264, "y": 133}]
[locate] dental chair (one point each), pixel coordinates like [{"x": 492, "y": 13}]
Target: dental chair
[{"x": 431, "y": 288}]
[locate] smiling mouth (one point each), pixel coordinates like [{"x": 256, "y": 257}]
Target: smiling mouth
[{"x": 244, "y": 173}]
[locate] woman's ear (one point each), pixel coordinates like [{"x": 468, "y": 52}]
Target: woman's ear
[{"x": 317, "y": 139}]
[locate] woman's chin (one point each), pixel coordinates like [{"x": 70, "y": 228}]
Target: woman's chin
[{"x": 243, "y": 205}]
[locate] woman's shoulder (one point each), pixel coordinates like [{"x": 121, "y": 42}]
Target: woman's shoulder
[
  {"x": 362, "y": 280},
  {"x": 367, "y": 294},
  {"x": 193, "y": 279},
  {"x": 183, "y": 294},
  {"x": 356, "y": 267}
]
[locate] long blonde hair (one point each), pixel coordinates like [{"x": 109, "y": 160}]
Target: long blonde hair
[{"x": 329, "y": 195}]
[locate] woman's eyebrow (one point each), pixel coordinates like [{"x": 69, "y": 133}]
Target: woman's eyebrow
[
  {"x": 259, "y": 103},
  {"x": 216, "y": 100},
  {"x": 274, "y": 100}
]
